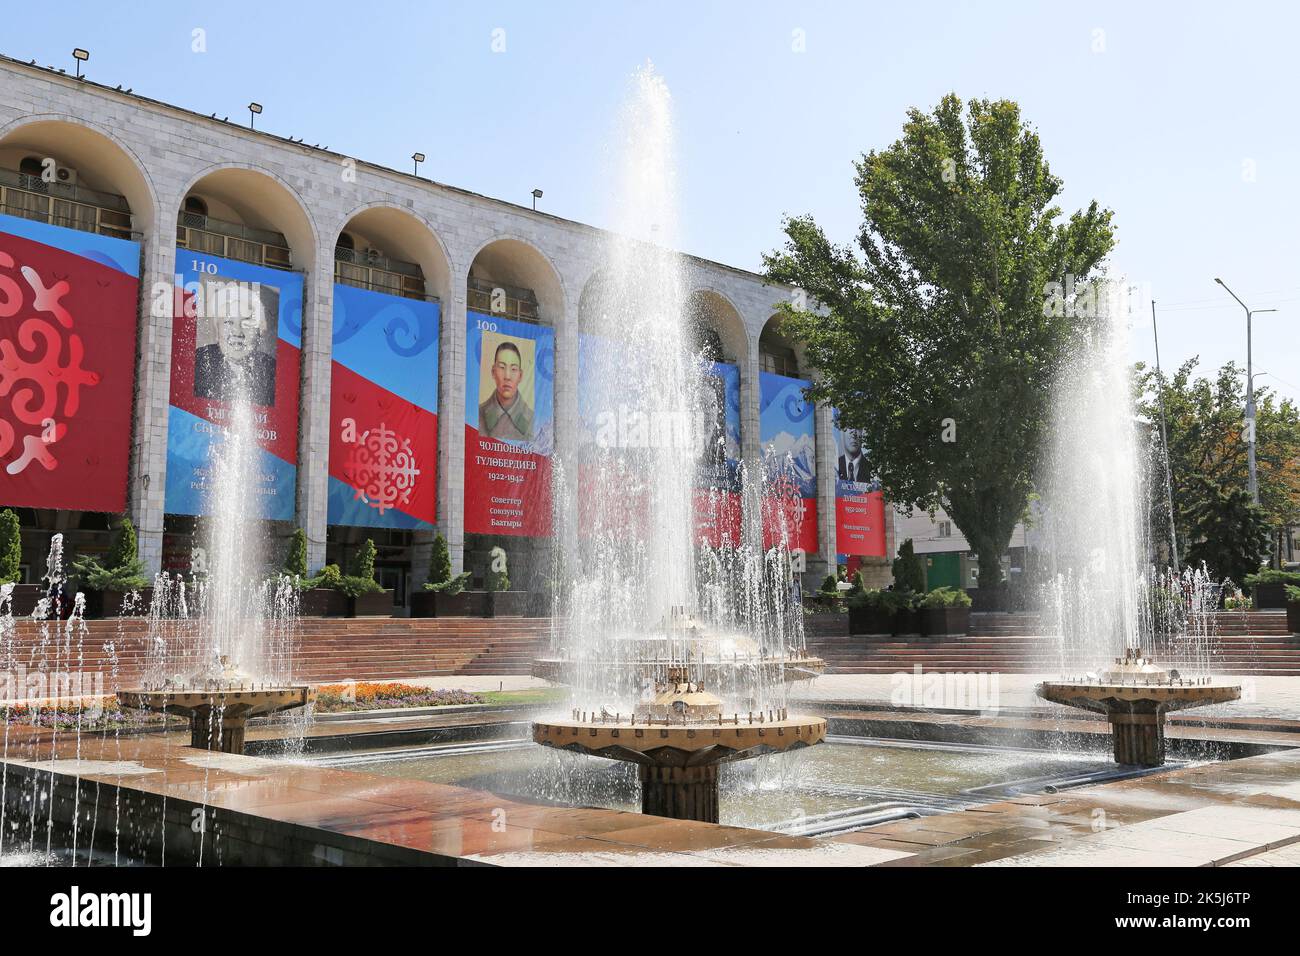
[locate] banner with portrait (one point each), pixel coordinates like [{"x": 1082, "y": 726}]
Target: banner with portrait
[
  {"x": 509, "y": 426},
  {"x": 717, "y": 487},
  {"x": 383, "y": 410},
  {"x": 859, "y": 503},
  {"x": 69, "y": 304},
  {"x": 236, "y": 326},
  {"x": 788, "y": 434}
]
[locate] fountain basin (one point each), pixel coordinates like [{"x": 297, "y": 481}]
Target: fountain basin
[
  {"x": 678, "y": 762},
  {"x": 217, "y": 715},
  {"x": 1136, "y": 706}
]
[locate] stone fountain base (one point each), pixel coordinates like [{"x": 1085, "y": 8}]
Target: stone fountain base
[
  {"x": 682, "y": 793},
  {"x": 1135, "y": 695},
  {"x": 218, "y": 715},
  {"x": 677, "y": 741}
]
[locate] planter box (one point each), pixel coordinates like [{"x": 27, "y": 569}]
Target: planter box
[
  {"x": 937, "y": 621},
  {"x": 907, "y": 621},
  {"x": 437, "y": 604},
  {"x": 24, "y": 598},
  {"x": 376, "y": 604},
  {"x": 870, "y": 620},
  {"x": 1269, "y": 596},
  {"x": 989, "y": 599},
  {"x": 1293, "y": 616},
  {"x": 506, "y": 603},
  {"x": 109, "y": 604},
  {"x": 540, "y": 604},
  {"x": 322, "y": 602}
]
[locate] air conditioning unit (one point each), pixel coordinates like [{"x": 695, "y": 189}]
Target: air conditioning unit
[{"x": 66, "y": 175}]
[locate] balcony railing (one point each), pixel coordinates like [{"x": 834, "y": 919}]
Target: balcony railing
[
  {"x": 517, "y": 303},
  {"x": 367, "y": 269},
  {"x": 63, "y": 204},
  {"x": 230, "y": 240}
]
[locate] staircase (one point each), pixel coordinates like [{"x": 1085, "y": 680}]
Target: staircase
[
  {"x": 1255, "y": 644},
  {"x": 329, "y": 649}
]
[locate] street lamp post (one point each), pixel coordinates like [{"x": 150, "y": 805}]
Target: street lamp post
[{"x": 1252, "y": 479}]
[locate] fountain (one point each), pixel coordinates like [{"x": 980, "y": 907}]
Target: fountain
[
  {"x": 678, "y": 654},
  {"x": 236, "y": 664},
  {"x": 1101, "y": 584}
]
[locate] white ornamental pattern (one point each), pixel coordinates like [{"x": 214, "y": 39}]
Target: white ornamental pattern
[{"x": 383, "y": 468}]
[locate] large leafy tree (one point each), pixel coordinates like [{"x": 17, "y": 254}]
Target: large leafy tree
[
  {"x": 1229, "y": 532},
  {"x": 1207, "y": 448},
  {"x": 938, "y": 336}
]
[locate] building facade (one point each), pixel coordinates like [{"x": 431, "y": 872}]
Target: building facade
[{"x": 333, "y": 242}]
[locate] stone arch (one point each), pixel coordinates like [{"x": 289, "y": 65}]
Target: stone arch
[
  {"x": 101, "y": 161},
  {"x": 402, "y": 234}
]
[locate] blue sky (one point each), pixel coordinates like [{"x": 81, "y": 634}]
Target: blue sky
[{"x": 1179, "y": 117}]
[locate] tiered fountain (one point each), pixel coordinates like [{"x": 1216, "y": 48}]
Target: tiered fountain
[
  {"x": 678, "y": 657},
  {"x": 236, "y": 662},
  {"x": 1095, "y": 524}
]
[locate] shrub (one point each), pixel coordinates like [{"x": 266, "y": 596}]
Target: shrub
[
  {"x": 1238, "y": 603},
  {"x": 875, "y": 599},
  {"x": 330, "y": 577},
  {"x": 908, "y": 573},
  {"x": 295, "y": 564},
  {"x": 946, "y": 597},
  {"x": 124, "y": 571},
  {"x": 498, "y": 577},
  {"x": 1293, "y": 594},
  {"x": 439, "y": 562},
  {"x": 361, "y": 579},
  {"x": 11, "y": 546},
  {"x": 830, "y": 585},
  {"x": 1271, "y": 576},
  {"x": 451, "y": 585}
]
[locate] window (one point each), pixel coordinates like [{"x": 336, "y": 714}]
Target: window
[
  {"x": 945, "y": 529},
  {"x": 346, "y": 241},
  {"x": 31, "y": 166},
  {"x": 196, "y": 206}
]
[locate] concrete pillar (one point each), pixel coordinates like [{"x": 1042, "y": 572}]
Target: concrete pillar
[
  {"x": 451, "y": 421},
  {"x": 314, "y": 403},
  {"x": 681, "y": 793},
  {"x": 751, "y": 449},
  {"x": 147, "y": 479},
  {"x": 824, "y": 423}
]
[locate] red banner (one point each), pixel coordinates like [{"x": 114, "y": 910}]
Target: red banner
[{"x": 67, "y": 356}]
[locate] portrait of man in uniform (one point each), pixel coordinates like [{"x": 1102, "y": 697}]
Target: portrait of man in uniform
[{"x": 506, "y": 414}]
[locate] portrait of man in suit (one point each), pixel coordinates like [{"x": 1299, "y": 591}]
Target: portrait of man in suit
[
  {"x": 506, "y": 414},
  {"x": 853, "y": 463},
  {"x": 239, "y": 355}
]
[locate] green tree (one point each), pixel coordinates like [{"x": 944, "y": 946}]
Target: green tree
[
  {"x": 295, "y": 563},
  {"x": 1229, "y": 532},
  {"x": 360, "y": 578},
  {"x": 908, "y": 573},
  {"x": 363, "y": 562},
  {"x": 939, "y": 336},
  {"x": 11, "y": 546},
  {"x": 439, "y": 561},
  {"x": 498, "y": 574},
  {"x": 121, "y": 570},
  {"x": 1207, "y": 444}
]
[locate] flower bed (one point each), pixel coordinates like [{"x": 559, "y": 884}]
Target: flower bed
[
  {"x": 368, "y": 695},
  {"x": 90, "y": 718}
]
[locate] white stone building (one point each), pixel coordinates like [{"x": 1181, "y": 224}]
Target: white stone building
[{"x": 175, "y": 174}]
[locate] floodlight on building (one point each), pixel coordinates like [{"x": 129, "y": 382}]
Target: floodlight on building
[
  {"x": 80, "y": 56},
  {"x": 537, "y": 194},
  {"x": 419, "y": 158},
  {"x": 254, "y": 109}
]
